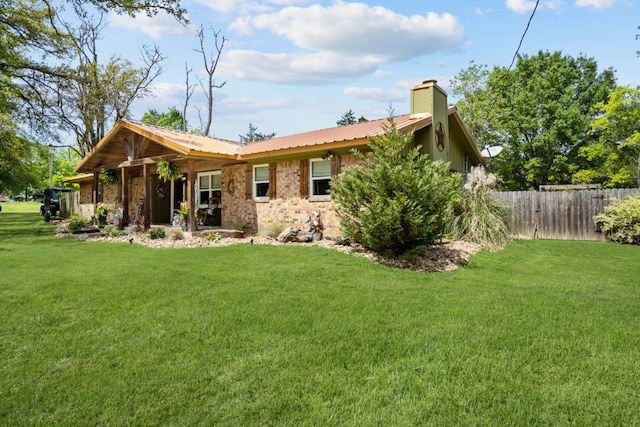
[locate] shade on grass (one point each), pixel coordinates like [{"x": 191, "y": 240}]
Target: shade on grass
[{"x": 541, "y": 333}]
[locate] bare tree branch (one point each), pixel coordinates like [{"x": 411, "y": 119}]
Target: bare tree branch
[{"x": 210, "y": 65}]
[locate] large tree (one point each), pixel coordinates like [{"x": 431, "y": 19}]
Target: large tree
[
  {"x": 613, "y": 159},
  {"x": 540, "y": 112},
  {"x": 39, "y": 61}
]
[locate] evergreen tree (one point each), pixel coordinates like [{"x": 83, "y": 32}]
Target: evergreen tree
[{"x": 397, "y": 199}]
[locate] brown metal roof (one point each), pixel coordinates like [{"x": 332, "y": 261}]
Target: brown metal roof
[
  {"x": 110, "y": 150},
  {"x": 356, "y": 133}
]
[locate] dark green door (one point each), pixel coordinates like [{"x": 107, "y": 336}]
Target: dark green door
[{"x": 160, "y": 201}]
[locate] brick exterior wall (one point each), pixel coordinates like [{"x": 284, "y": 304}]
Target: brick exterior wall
[{"x": 287, "y": 209}]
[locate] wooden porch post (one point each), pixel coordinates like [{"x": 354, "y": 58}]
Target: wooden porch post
[
  {"x": 146, "y": 176},
  {"x": 125, "y": 197},
  {"x": 94, "y": 193},
  {"x": 191, "y": 191}
]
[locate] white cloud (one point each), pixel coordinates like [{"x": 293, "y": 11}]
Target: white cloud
[
  {"x": 596, "y": 4},
  {"x": 240, "y": 7},
  {"x": 340, "y": 42},
  {"x": 157, "y": 26},
  {"x": 294, "y": 68},
  {"x": 358, "y": 29},
  {"x": 520, "y": 6},
  {"x": 376, "y": 94}
]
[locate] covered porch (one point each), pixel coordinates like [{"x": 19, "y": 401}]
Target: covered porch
[{"x": 129, "y": 156}]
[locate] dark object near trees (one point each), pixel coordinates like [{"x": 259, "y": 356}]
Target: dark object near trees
[{"x": 51, "y": 201}]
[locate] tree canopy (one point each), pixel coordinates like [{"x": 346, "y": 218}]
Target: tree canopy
[
  {"x": 349, "y": 118},
  {"x": 540, "y": 112},
  {"x": 613, "y": 158},
  {"x": 172, "y": 119}
]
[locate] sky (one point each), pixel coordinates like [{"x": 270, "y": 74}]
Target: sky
[{"x": 292, "y": 66}]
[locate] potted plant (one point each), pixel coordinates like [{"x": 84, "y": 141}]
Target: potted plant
[
  {"x": 168, "y": 170},
  {"x": 101, "y": 212},
  {"x": 183, "y": 213}
]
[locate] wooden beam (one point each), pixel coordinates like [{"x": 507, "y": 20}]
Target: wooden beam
[
  {"x": 191, "y": 192},
  {"x": 146, "y": 177},
  {"x": 96, "y": 183},
  {"x": 125, "y": 196}
]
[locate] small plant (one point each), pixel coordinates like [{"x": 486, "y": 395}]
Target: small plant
[
  {"x": 168, "y": 170},
  {"x": 214, "y": 237},
  {"x": 238, "y": 224},
  {"x": 102, "y": 210},
  {"x": 177, "y": 235},
  {"x": 620, "y": 221},
  {"x": 47, "y": 216},
  {"x": 111, "y": 231},
  {"x": 274, "y": 230},
  {"x": 183, "y": 212},
  {"x": 109, "y": 176},
  {"x": 157, "y": 233},
  {"x": 77, "y": 222}
]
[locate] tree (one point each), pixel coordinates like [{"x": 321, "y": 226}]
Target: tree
[
  {"x": 18, "y": 160},
  {"x": 613, "y": 158},
  {"x": 540, "y": 112},
  {"x": 172, "y": 119},
  {"x": 253, "y": 136},
  {"x": 397, "y": 199},
  {"x": 90, "y": 94},
  {"x": 349, "y": 118},
  {"x": 36, "y": 50},
  {"x": 210, "y": 64}
]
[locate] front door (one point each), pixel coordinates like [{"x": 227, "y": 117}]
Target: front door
[{"x": 160, "y": 201}]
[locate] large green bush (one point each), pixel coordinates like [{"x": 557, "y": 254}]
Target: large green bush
[
  {"x": 481, "y": 215},
  {"x": 397, "y": 199},
  {"x": 620, "y": 221}
]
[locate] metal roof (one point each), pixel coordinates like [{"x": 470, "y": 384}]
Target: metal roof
[{"x": 356, "y": 133}]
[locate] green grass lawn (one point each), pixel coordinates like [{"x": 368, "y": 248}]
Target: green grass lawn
[{"x": 541, "y": 333}]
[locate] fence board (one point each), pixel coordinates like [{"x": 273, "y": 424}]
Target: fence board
[{"x": 565, "y": 215}]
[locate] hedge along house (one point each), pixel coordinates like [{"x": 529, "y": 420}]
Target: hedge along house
[{"x": 261, "y": 184}]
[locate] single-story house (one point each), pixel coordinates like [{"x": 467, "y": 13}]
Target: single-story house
[{"x": 260, "y": 184}]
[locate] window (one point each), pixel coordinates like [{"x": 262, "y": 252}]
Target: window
[
  {"x": 261, "y": 181},
  {"x": 209, "y": 185},
  {"x": 320, "y": 177}
]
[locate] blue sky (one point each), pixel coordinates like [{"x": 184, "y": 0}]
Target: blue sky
[{"x": 292, "y": 66}]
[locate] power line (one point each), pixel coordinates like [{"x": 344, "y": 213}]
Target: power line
[{"x": 524, "y": 34}]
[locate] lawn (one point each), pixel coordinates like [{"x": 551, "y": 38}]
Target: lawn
[{"x": 541, "y": 333}]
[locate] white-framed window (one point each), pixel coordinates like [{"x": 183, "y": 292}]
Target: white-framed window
[
  {"x": 320, "y": 172},
  {"x": 209, "y": 185},
  {"x": 261, "y": 181}
]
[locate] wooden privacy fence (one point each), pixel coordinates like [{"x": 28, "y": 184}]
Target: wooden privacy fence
[{"x": 565, "y": 215}]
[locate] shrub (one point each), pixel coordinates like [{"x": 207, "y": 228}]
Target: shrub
[
  {"x": 620, "y": 221},
  {"x": 111, "y": 231},
  {"x": 157, "y": 233},
  {"x": 76, "y": 222},
  {"x": 397, "y": 200},
  {"x": 480, "y": 214},
  {"x": 274, "y": 229}
]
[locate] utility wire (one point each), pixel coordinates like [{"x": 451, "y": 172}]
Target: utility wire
[{"x": 524, "y": 34}]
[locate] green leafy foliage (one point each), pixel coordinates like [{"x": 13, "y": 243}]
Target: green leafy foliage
[
  {"x": 397, "y": 199},
  {"x": 157, "y": 233},
  {"x": 172, "y": 119},
  {"x": 168, "y": 170},
  {"x": 77, "y": 222},
  {"x": 481, "y": 215},
  {"x": 540, "y": 112},
  {"x": 612, "y": 159},
  {"x": 620, "y": 221}
]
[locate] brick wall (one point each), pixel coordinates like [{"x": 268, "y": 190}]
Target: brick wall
[{"x": 287, "y": 209}]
